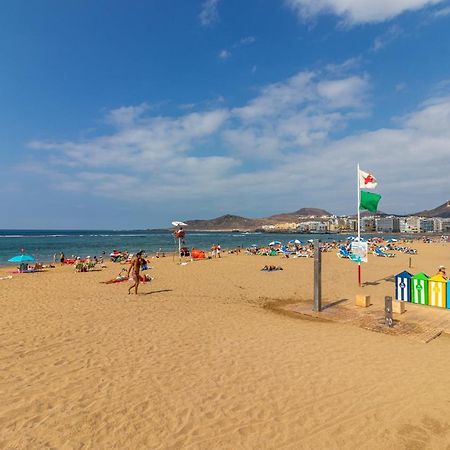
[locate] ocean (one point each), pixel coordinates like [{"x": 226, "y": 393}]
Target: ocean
[{"x": 43, "y": 244}]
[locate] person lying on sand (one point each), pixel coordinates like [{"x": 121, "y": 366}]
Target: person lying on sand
[
  {"x": 271, "y": 268},
  {"x": 122, "y": 277}
]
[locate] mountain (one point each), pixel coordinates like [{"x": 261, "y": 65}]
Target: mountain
[
  {"x": 440, "y": 211},
  {"x": 303, "y": 212},
  {"x": 231, "y": 222},
  {"x": 227, "y": 222}
]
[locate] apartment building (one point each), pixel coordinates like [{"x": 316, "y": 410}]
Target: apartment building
[{"x": 387, "y": 224}]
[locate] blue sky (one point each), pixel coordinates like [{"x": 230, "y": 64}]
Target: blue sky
[{"x": 132, "y": 114}]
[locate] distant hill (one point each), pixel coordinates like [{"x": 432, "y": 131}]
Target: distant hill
[
  {"x": 305, "y": 212},
  {"x": 231, "y": 222},
  {"x": 227, "y": 222},
  {"x": 440, "y": 211}
]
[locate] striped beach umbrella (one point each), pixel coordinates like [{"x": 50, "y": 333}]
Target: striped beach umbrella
[{"x": 419, "y": 289}]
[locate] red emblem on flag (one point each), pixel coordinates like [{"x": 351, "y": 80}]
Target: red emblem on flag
[{"x": 369, "y": 179}]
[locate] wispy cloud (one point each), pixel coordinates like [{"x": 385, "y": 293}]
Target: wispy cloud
[
  {"x": 384, "y": 39},
  {"x": 443, "y": 12},
  {"x": 226, "y": 53},
  {"x": 357, "y": 11},
  {"x": 245, "y": 41},
  {"x": 209, "y": 13}
]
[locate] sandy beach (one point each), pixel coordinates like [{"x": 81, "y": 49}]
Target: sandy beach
[{"x": 197, "y": 361}]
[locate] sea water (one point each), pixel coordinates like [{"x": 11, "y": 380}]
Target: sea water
[{"x": 44, "y": 244}]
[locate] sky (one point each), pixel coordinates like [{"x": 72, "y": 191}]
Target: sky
[{"x": 131, "y": 114}]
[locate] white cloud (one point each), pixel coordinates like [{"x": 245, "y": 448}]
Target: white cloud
[
  {"x": 280, "y": 147},
  {"x": 358, "y": 11},
  {"x": 126, "y": 115},
  {"x": 249, "y": 40},
  {"x": 209, "y": 12},
  {"x": 224, "y": 54},
  {"x": 344, "y": 93},
  {"x": 305, "y": 91},
  {"x": 347, "y": 66}
]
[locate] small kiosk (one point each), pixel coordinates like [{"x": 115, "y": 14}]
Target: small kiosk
[
  {"x": 419, "y": 289},
  {"x": 403, "y": 286},
  {"x": 437, "y": 291}
]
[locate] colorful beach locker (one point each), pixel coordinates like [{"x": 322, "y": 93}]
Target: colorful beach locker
[
  {"x": 403, "y": 286},
  {"x": 419, "y": 289},
  {"x": 448, "y": 294},
  {"x": 437, "y": 291}
]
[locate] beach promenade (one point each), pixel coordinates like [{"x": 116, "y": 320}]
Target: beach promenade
[{"x": 200, "y": 360}]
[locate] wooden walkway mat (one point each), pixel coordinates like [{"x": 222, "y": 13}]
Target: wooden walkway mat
[{"x": 369, "y": 319}]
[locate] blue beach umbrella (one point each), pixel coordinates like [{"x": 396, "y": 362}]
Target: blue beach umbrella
[
  {"x": 21, "y": 259},
  {"x": 294, "y": 241}
]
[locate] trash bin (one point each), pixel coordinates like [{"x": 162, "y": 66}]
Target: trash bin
[
  {"x": 403, "y": 286},
  {"x": 419, "y": 289}
]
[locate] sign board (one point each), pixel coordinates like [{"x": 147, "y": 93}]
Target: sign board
[{"x": 359, "y": 251}]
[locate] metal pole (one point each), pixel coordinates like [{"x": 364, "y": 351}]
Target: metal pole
[
  {"x": 388, "y": 311},
  {"x": 317, "y": 277},
  {"x": 359, "y": 218}
]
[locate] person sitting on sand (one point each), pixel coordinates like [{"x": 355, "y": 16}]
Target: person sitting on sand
[
  {"x": 135, "y": 267},
  {"x": 442, "y": 273}
]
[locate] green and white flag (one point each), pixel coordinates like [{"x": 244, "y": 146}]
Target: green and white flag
[{"x": 369, "y": 201}]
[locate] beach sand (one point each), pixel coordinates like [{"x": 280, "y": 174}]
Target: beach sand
[{"x": 197, "y": 362}]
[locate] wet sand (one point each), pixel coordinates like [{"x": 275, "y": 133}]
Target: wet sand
[{"x": 196, "y": 361}]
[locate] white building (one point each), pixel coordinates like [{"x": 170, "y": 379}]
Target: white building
[
  {"x": 409, "y": 224},
  {"x": 387, "y": 224},
  {"x": 313, "y": 226},
  {"x": 426, "y": 225},
  {"x": 368, "y": 224}
]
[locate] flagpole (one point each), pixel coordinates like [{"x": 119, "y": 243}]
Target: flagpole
[{"x": 359, "y": 218}]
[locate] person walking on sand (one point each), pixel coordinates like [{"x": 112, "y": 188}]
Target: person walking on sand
[
  {"x": 135, "y": 267},
  {"x": 62, "y": 258}
]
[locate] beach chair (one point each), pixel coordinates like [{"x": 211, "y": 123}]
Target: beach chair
[
  {"x": 79, "y": 266},
  {"x": 343, "y": 253},
  {"x": 379, "y": 252}
]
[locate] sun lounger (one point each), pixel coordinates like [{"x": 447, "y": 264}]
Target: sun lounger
[
  {"x": 379, "y": 252},
  {"x": 343, "y": 253}
]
